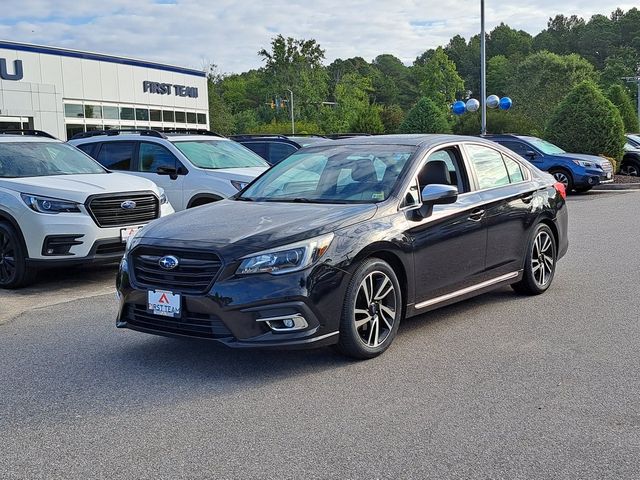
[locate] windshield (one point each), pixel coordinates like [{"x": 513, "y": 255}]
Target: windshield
[
  {"x": 340, "y": 174},
  {"x": 635, "y": 140},
  {"x": 41, "y": 159},
  {"x": 214, "y": 154},
  {"x": 545, "y": 147}
]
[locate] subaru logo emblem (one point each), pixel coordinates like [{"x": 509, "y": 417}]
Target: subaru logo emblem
[
  {"x": 128, "y": 205},
  {"x": 168, "y": 262}
]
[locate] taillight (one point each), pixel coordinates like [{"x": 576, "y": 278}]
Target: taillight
[{"x": 561, "y": 189}]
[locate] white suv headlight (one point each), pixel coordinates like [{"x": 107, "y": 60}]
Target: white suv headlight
[
  {"x": 163, "y": 197},
  {"x": 286, "y": 259},
  {"x": 49, "y": 205}
]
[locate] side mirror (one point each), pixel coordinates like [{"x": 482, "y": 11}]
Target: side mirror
[
  {"x": 172, "y": 172},
  {"x": 531, "y": 154},
  {"x": 437, "y": 194}
]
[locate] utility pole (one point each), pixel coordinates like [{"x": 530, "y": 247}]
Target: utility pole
[
  {"x": 483, "y": 70},
  {"x": 293, "y": 123},
  {"x": 635, "y": 80}
]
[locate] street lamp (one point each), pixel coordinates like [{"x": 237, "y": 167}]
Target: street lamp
[
  {"x": 483, "y": 70},
  {"x": 293, "y": 123}
]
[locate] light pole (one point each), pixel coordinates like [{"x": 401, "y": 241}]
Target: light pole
[
  {"x": 483, "y": 71},
  {"x": 293, "y": 123}
]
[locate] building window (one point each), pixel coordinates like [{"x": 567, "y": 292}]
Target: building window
[
  {"x": 110, "y": 113},
  {"x": 93, "y": 111},
  {"x": 167, "y": 116},
  {"x": 180, "y": 117},
  {"x": 73, "y": 129},
  {"x": 202, "y": 119},
  {"x": 155, "y": 115},
  {"x": 72, "y": 110},
  {"x": 191, "y": 117},
  {"x": 142, "y": 114},
  {"x": 126, "y": 113}
]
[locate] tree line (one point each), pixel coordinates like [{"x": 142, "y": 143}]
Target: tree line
[{"x": 386, "y": 96}]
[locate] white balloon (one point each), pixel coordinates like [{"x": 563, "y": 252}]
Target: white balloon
[
  {"x": 493, "y": 101},
  {"x": 473, "y": 105}
]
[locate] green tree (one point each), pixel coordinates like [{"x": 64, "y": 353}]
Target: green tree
[
  {"x": 392, "y": 116},
  {"x": 621, "y": 99},
  {"x": 506, "y": 41},
  {"x": 500, "y": 70},
  {"x": 587, "y": 122},
  {"x": 426, "y": 117},
  {"x": 439, "y": 79},
  {"x": 542, "y": 80},
  {"x": 367, "y": 120}
]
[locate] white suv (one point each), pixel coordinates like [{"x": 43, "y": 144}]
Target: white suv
[
  {"x": 58, "y": 207},
  {"x": 194, "y": 167}
]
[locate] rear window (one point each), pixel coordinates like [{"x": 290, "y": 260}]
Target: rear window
[{"x": 116, "y": 155}]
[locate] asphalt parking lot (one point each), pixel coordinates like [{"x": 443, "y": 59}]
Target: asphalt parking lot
[{"x": 498, "y": 387}]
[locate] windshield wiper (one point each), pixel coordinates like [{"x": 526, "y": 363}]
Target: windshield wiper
[{"x": 244, "y": 199}]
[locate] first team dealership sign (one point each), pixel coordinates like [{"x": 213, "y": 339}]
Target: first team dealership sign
[{"x": 169, "y": 89}]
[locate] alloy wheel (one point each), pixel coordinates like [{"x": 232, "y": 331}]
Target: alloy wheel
[
  {"x": 542, "y": 259},
  {"x": 562, "y": 178},
  {"x": 7, "y": 258},
  {"x": 375, "y": 309},
  {"x": 631, "y": 170}
]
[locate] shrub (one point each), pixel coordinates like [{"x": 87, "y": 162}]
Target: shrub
[
  {"x": 426, "y": 117},
  {"x": 622, "y": 101},
  {"x": 587, "y": 122}
]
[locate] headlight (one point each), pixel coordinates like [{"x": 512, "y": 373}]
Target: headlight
[
  {"x": 289, "y": 258},
  {"x": 239, "y": 185},
  {"x": 583, "y": 163},
  {"x": 163, "y": 197},
  {"x": 49, "y": 205}
]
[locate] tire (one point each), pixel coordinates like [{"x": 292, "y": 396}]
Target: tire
[
  {"x": 540, "y": 262},
  {"x": 14, "y": 272},
  {"x": 630, "y": 168},
  {"x": 582, "y": 189},
  {"x": 563, "y": 176},
  {"x": 202, "y": 201},
  {"x": 372, "y": 310}
]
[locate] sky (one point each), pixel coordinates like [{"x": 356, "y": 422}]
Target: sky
[{"x": 195, "y": 33}]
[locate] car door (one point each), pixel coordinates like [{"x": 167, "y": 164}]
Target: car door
[
  {"x": 449, "y": 246},
  {"x": 525, "y": 151},
  {"x": 159, "y": 165},
  {"x": 508, "y": 201}
]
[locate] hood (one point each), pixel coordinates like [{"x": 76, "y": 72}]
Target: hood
[
  {"x": 237, "y": 228},
  {"x": 78, "y": 187},
  {"x": 581, "y": 156},
  {"x": 242, "y": 174}
]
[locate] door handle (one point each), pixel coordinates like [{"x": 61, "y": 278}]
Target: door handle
[{"x": 476, "y": 214}]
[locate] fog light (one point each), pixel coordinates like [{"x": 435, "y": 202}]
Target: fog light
[{"x": 289, "y": 323}]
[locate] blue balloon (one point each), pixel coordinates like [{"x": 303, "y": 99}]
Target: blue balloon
[
  {"x": 505, "y": 103},
  {"x": 459, "y": 107}
]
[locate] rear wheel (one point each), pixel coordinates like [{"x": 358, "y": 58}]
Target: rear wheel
[
  {"x": 372, "y": 310},
  {"x": 564, "y": 177},
  {"x": 540, "y": 263},
  {"x": 630, "y": 168},
  {"x": 14, "y": 272}
]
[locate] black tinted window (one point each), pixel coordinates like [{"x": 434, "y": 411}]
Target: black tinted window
[
  {"x": 279, "y": 151},
  {"x": 518, "y": 147},
  {"x": 116, "y": 155},
  {"x": 153, "y": 156},
  {"x": 258, "y": 147},
  {"x": 88, "y": 148}
]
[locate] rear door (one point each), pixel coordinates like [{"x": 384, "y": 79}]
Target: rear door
[
  {"x": 508, "y": 197},
  {"x": 154, "y": 162}
]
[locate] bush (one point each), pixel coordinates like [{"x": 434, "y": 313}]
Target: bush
[
  {"x": 587, "y": 122},
  {"x": 622, "y": 101},
  {"x": 497, "y": 122},
  {"x": 426, "y": 117}
]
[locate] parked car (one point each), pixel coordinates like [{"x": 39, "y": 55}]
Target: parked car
[
  {"x": 630, "y": 164},
  {"x": 194, "y": 167},
  {"x": 306, "y": 140},
  {"x": 272, "y": 148},
  {"x": 339, "y": 242},
  {"x": 576, "y": 171},
  {"x": 59, "y": 207}
]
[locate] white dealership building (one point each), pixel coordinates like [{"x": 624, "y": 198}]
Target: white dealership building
[{"x": 64, "y": 92}]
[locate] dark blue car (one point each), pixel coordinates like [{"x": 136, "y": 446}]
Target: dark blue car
[{"x": 576, "y": 171}]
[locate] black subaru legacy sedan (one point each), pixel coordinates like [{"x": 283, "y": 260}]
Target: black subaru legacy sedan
[{"x": 339, "y": 242}]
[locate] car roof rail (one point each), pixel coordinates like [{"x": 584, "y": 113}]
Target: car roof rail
[
  {"x": 27, "y": 132},
  {"x": 117, "y": 131},
  {"x": 319, "y": 135},
  {"x": 258, "y": 135},
  {"x": 337, "y": 136},
  {"x": 192, "y": 131}
]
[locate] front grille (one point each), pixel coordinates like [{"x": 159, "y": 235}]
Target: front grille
[
  {"x": 191, "y": 324},
  {"x": 606, "y": 166},
  {"x": 107, "y": 210},
  {"x": 195, "y": 272}
]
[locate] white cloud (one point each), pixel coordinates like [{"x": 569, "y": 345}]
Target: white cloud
[{"x": 230, "y": 33}]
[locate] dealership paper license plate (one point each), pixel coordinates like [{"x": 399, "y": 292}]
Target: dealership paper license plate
[
  {"x": 126, "y": 233},
  {"x": 164, "y": 303}
]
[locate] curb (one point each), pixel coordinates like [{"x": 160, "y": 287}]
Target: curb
[{"x": 617, "y": 186}]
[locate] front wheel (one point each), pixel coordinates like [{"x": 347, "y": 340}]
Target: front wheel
[
  {"x": 631, "y": 169},
  {"x": 563, "y": 177},
  {"x": 14, "y": 272},
  {"x": 540, "y": 263},
  {"x": 372, "y": 310}
]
